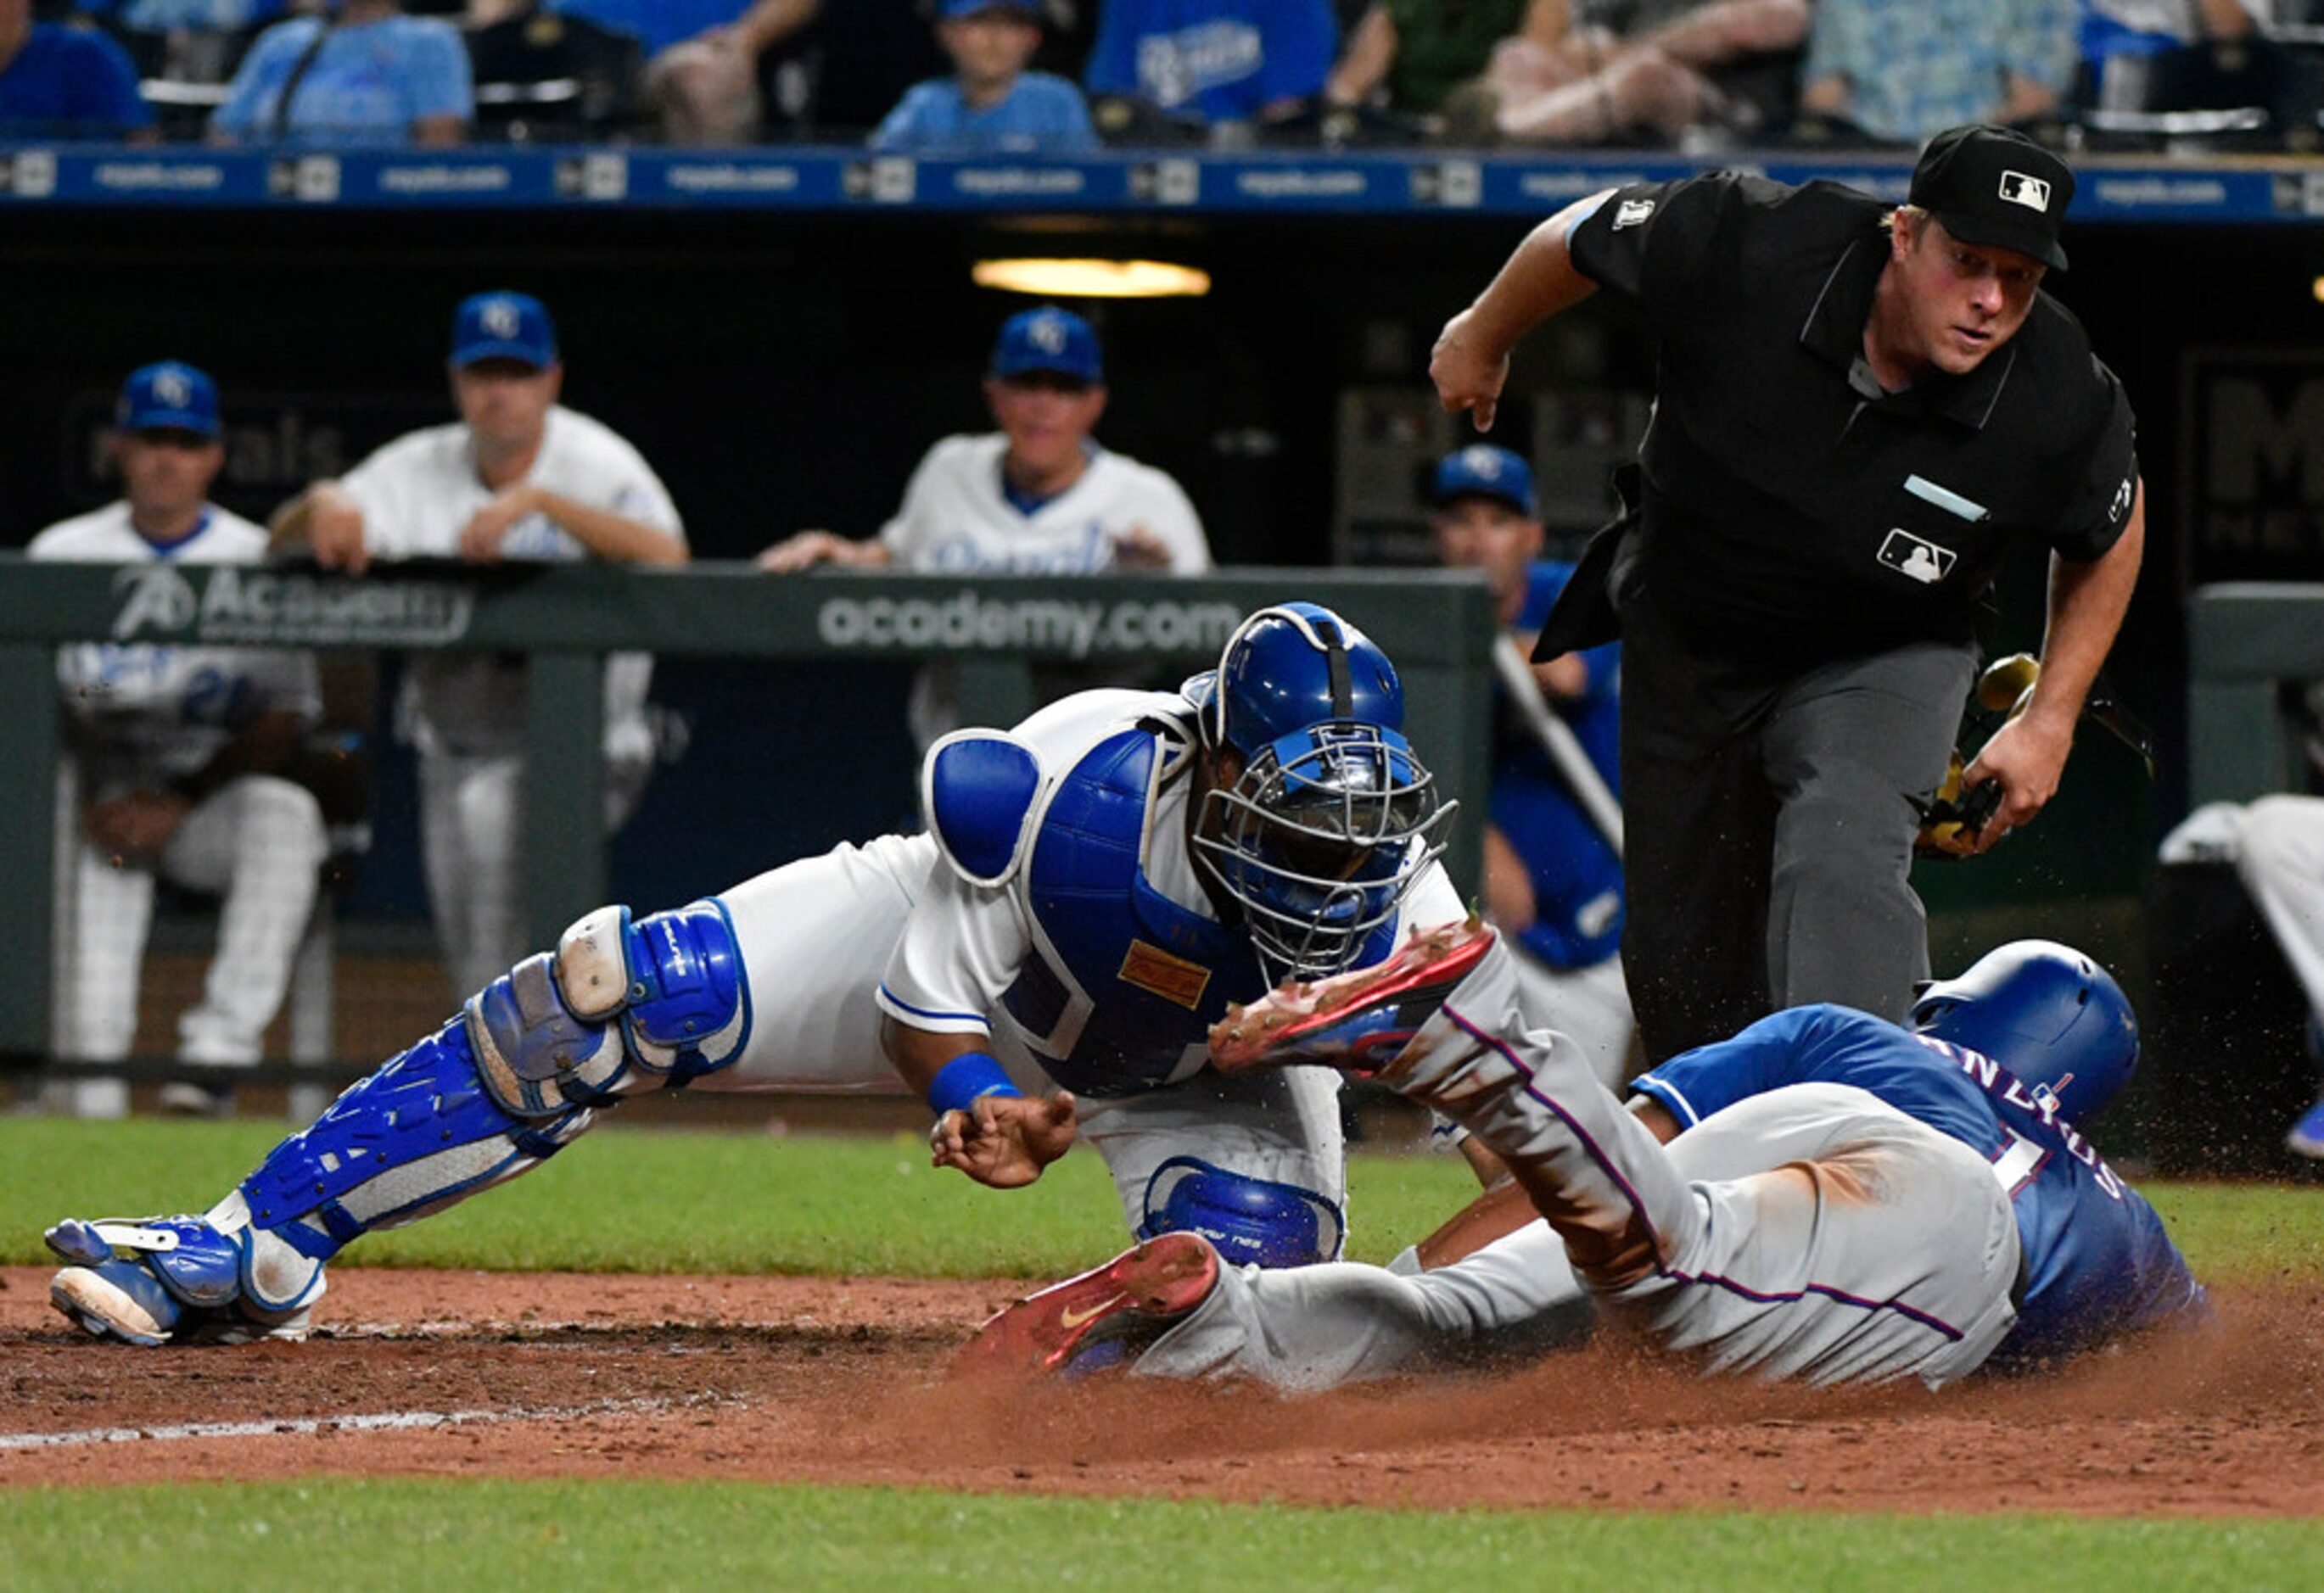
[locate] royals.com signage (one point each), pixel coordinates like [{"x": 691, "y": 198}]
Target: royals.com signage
[{"x": 252, "y": 604}]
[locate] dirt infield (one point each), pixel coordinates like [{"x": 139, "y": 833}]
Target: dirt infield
[{"x": 841, "y": 1381}]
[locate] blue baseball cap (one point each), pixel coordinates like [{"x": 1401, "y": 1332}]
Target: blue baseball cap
[
  {"x": 169, "y": 396},
  {"x": 1030, "y": 9},
  {"x": 1048, "y": 340},
  {"x": 503, "y": 326},
  {"x": 1483, "y": 470}
]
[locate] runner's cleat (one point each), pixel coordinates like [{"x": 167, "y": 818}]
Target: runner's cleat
[
  {"x": 1357, "y": 1020},
  {"x": 1100, "y": 1319}
]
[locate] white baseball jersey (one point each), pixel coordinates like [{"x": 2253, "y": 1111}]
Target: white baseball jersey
[
  {"x": 821, "y": 934},
  {"x": 149, "y": 713},
  {"x": 955, "y": 517},
  {"x": 418, "y": 493}
]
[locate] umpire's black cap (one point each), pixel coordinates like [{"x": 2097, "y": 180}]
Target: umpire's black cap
[{"x": 1997, "y": 187}]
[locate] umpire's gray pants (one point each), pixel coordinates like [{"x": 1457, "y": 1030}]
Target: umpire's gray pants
[{"x": 1769, "y": 832}]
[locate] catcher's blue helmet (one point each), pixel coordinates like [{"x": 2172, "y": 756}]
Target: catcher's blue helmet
[
  {"x": 2048, "y": 1013},
  {"x": 1327, "y": 823}
]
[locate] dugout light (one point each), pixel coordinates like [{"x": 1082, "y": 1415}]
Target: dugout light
[{"x": 1092, "y": 279}]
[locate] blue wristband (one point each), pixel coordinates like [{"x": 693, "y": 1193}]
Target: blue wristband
[{"x": 964, "y": 1078}]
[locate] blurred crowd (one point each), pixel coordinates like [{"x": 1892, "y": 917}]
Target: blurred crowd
[{"x": 984, "y": 78}]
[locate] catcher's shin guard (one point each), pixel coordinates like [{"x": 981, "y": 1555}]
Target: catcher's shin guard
[{"x": 421, "y": 1133}]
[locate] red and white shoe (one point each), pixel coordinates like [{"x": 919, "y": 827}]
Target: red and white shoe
[
  {"x": 1095, "y": 1321},
  {"x": 1358, "y": 1020}
]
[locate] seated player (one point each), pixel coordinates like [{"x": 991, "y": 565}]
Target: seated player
[
  {"x": 1093, "y": 890},
  {"x": 1826, "y": 1195}
]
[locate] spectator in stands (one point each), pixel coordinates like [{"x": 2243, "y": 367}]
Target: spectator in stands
[
  {"x": 543, "y": 75},
  {"x": 991, "y": 104},
  {"x": 1037, "y": 497},
  {"x": 365, "y": 74},
  {"x": 702, "y": 64},
  {"x": 65, "y": 82},
  {"x": 1898, "y": 71},
  {"x": 1231, "y": 62},
  {"x": 1559, "y": 81},
  {"x": 1420, "y": 51},
  {"x": 2142, "y": 55}
]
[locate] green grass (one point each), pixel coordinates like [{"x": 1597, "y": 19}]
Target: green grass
[
  {"x": 462, "y": 1532},
  {"x": 667, "y": 1201},
  {"x": 670, "y": 1201}
]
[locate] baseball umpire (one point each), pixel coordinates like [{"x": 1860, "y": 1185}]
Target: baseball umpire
[
  {"x": 1860, "y": 409},
  {"x": 179, "y": 755},
  {"x": 1826, "y": 1196},
  {"x": 1094, "y": 889}
]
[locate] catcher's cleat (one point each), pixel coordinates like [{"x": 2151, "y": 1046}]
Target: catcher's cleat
[
  {"x": 1358, "y": 1020},
  {"x": 1097, "y": 1321},
  {"x": 164, "y": 1280}
]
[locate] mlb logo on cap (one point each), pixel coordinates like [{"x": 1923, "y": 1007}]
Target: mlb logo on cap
[
  {"x": 503, "y": 326},
  {"x": 1484, "y": 471},
  {"x": 169, "y": 396},
  {"x": 1051, "y": 341},
  {"x": 2029, "y": 191}
]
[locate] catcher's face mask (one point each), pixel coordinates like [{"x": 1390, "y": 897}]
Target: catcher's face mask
[{"x": 1319, "y": 841}]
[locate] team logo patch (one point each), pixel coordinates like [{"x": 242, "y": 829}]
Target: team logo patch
[
  {"x": 1047, "y": 334},
  {"x": 1917, "y": 556},
  {"x": 2029, "y": 191},
  {"x": 2122, "y": 497},
  {"x": 1156, "y": 970},
  {"x": 1632, "y": 212},
  {"x": 502, "y": 318}
]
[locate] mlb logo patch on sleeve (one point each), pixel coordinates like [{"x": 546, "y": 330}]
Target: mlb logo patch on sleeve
[{"x": 1916, "y": 557}]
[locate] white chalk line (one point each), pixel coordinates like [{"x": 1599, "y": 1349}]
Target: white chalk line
[{"x": 368, "y": 1422}]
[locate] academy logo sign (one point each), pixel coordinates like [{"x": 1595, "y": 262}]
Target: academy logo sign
[{"x": 239, "y": 603}]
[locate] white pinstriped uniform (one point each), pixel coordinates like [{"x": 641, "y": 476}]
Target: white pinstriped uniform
[{"x": 141, "y": 715}]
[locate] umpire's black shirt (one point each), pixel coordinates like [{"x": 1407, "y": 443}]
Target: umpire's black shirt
[{"x": 1794, "y": 511}]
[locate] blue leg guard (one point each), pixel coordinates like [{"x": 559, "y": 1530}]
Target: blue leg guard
[
  {"x": 1249, "y": 1221},
  {"x": 622, "y": 1007},
  {"x": 419, "y": 1135}
]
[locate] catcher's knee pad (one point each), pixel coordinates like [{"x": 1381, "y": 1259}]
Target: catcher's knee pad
[
  {"x": 533, "y": 1054},
  {"x": 676, "y": 980},
  {"x": 421, "y": 1133},
  {"x": 1251, "y": 1221}
]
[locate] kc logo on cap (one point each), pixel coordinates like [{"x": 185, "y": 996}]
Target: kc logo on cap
[
  {"x": 502, "y": 318},
  {"x": 2029, "y": 191}
]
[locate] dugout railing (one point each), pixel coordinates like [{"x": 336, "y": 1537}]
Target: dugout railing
[{"x": 1438, "y": 625}]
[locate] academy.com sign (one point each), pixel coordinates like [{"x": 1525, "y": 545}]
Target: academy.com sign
[
  {"x": 1073, "y": 629},
  {"x": 230, "y": 602}
]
